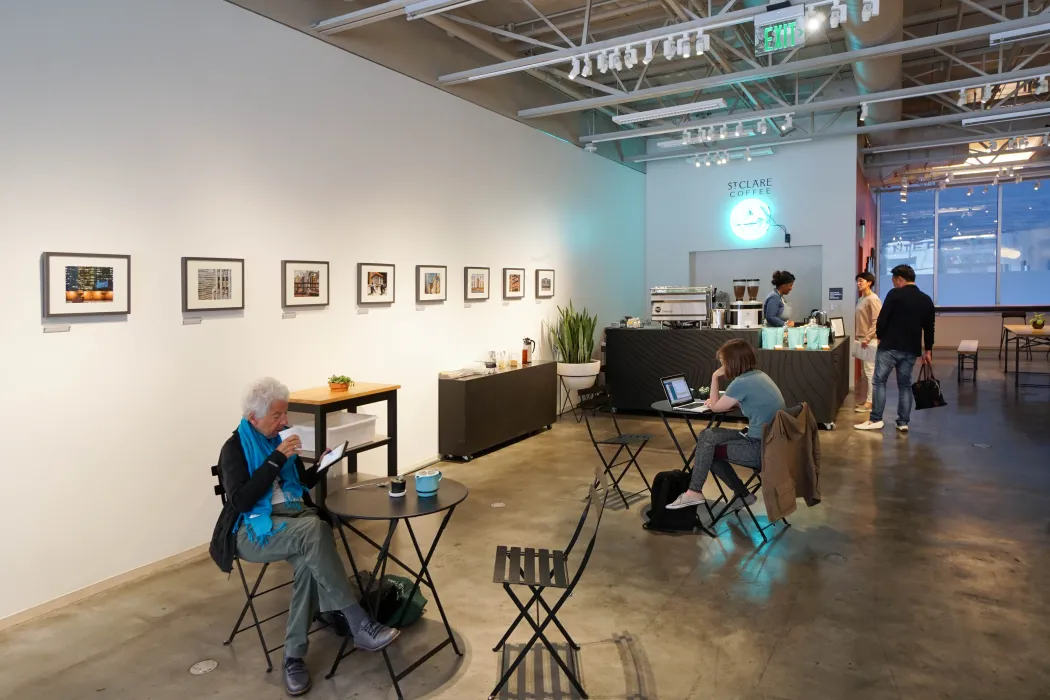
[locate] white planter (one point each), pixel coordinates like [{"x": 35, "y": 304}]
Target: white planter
[{"x": 579, "y": 376}]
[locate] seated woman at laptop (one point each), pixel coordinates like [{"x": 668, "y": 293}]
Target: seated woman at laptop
[{"x": 759, "y": 400}]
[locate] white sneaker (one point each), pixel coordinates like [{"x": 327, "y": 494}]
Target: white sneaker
[
  {"x": 684, "y": 501},
  {"x": 902, "y": 428},
  {"x": 868, "y": 425},
  {"x": 738, "y": 504}
]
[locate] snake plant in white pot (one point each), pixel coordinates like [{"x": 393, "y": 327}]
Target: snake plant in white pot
[{"x": 571, "y": 339}]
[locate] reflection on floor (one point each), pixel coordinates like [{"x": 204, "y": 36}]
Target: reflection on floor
[{"x": 923, "y": 575}]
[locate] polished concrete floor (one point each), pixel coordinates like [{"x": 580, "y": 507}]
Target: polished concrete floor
[{"x": 922, "y": 575}]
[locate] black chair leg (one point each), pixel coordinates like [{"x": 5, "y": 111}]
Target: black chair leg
[{"x": 250, "y": 605}]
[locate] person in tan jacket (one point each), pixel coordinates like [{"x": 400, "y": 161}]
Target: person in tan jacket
[{"x": 868, "y": 307}]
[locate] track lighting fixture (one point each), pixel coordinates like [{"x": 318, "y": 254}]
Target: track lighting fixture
[
  {"x": 747, "y": 154},
  {"x": 668, "y": 48},
  {"x": 739, "y": 130},
  {"x": 814, "y": 21},
  {"x": 1017, "y": 180},
  {"x": 962, "y": 98},
  {"x": 602, "y": 63},
  {"x": 685, "y": 138},
  {"x": 696, "y": 161},
  {"x": 864, "y": 111},
  {"x": 948, "y": 177},
  {"x": 685, "y": 47},
  {"x": 762, "y": 127},
  {"x": 969, "y": 192},
  {"x": 837, "y": 15},
  {"x": 986, "y": 186},
  {"x": 616, "y": 63},
  {"x": 723, "y": 132},
  {"x": 869, "y": 9},
  {"x": 1042, "y": 87},
  {"x": 591, "y": 147},
  {"x": 648, "y": 53},
  {"x": 707, "y": 163},
  {"x": 587, "y": 69},
  {"x": 986, "y": 94},
  {"x": 631, "y": 57},
  {"x": 788, "y": 123},
  {"x": 575, "y": 72},
  {"x": 703, "y": 43},
  {"x": 1036, "y": 188}
]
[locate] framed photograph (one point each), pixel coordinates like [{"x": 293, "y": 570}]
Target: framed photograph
[
  {"x": 475, "y": 283},
  {"x": 86, "y": 284},
  {"x": 544, "y": 284},
  {"x": 212, "y": 284},
  {"x": 375, "y": 283},
  {"x": 304, "y": 283},
  {"x": 838, "y": 326},
  {"x": 513, "y": 283},
  {"x": 431, "y": 283}
]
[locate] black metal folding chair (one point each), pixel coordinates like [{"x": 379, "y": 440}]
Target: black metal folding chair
[
  {"x": 540, "y": 569},
  {"x": 622, "y": 442},
  {"x": 253, "y": 593}
]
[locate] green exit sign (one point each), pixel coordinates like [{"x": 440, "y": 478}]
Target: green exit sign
[{"x": 780, "y": 30}]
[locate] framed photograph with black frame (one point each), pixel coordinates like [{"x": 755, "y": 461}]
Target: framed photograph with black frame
[
  {"x": 375, "y": 284},
  {"x": 475, "y": 283},
  {"x": 212, "y": 284},
  {"x": 431, "y": 283},
  {"x": 513, "y": 283},
  {"x": 544, "y": 284},
  {"x": 86, "y": 284},
  {"x": 304, "y": 283},
  {"x": 838, "y": 326}
]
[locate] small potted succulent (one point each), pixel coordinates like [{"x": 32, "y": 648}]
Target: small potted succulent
[
  {"x": 340, "y": 382},
  {"x": 1038, "y": 322}
]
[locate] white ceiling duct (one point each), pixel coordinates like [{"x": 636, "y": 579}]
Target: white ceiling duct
[{"x": 881, "y": 73}]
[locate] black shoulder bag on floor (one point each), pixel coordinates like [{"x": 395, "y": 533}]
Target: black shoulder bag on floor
[
  {"x": 668, "y": 486},
  {"x": 927, "y": 391}
]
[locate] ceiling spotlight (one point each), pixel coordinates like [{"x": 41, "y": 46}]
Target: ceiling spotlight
[
  {"x": 696, "y": 161},
  {"x": 587, "y": 69},
  {"x": 948, "y": 177},
  {"x": 864, "y": 111},
  {"x": 1017, "y": 179},
  {"x": 943, "y": 185},
  {"x": 1036, "y": 188},
  {"x": 869, "y": 9},
  {"x": 962, "y": 98},
  {"x": 837, "y": 15},
  {"x": 602, "y": 63},
  {"x": 668, "y": 48},
  {"x": 747, "y": 154},
  {"x": 723, "y": 132},
  {"x": 575, "y": 72},
  {"x": 591, "y": 147},
  {"x": 762, "y": 127},
  {"x": 685, "y": 138},
  {"x": 615, "y": 62},
  {"x": 707, "y": 162},
  {"x": 815, "y": 21},
  {"x": 739, "y": 130},
  {"x": 703, "y": 43},
  {"x": 996, "y": 181},
  {"x": 986, "y": 94},
  {"x": 685, "y": 47},
  {"x": 969, "y": 192},
  {"x": 904, "y": 182},
  {"x": 631, "y": 57},
  {"x": 1041, "y": 87},
  {"x": 788, "y": 123},
  {"x": 648, "y": 53}
]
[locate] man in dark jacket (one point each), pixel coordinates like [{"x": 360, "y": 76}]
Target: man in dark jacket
[
  {"x": 267, "y": 487},
  {"x": 905, "y": 333}
]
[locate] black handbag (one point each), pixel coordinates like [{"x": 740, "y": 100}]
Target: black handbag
[{"x": 927, "y": 391}]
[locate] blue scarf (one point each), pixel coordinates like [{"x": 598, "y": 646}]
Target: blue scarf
[{"x": 257, "y": 448}]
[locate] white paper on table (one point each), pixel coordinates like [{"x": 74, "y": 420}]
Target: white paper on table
[{"x": 865, "y": 354}]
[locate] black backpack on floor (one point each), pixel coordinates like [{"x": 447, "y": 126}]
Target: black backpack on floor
[{"x": 668, "y": 486}]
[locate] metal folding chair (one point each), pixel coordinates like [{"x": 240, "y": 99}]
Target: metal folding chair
[
  {"x": 251, "y": 594},
  {"x": 540, "y": 569},
  {"x": 623, "y": 442}
]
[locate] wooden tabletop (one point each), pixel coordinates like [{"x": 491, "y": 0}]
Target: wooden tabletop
[
  {"x": 1024, "y": 330},
  {"x": 321, "y": 395}
]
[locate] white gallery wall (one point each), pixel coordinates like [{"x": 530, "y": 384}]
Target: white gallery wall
[
  {"x": 170, "y": 128},
  {"x": 810, "y": 189}
]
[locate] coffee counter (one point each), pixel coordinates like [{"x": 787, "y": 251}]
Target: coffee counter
[{"x": 636, "y": 359}]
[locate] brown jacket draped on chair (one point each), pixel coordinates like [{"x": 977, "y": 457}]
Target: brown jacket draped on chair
[{"x": 790, "y": 461}]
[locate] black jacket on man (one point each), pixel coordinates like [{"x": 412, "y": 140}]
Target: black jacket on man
[
  {"x": 906, "y": 321},
  {"x": 244, "y": 490}
]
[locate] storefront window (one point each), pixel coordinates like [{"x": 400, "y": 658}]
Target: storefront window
[
  {"x": 906, "y": 235},
  {"x": 1024, "y": 257},
  {"x": 968, "y": 219}
]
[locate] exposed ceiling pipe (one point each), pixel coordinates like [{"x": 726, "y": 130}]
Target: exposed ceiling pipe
[{"x": 880, "y": 74}]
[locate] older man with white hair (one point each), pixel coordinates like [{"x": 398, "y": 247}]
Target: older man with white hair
[{"x": 267, "y": 486}]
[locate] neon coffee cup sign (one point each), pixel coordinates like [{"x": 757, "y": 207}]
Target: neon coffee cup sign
[{"x": 750, "y": 217}]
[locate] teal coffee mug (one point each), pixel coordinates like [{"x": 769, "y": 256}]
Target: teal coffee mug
[{"x": 427, "y": 482}]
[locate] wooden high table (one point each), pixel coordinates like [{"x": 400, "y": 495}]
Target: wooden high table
[
  {"x": 1033, "y": 338},
  {"x": 320, "y": 401}
]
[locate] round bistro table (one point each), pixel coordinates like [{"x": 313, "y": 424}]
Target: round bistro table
[{"x": 370, "y": 500}]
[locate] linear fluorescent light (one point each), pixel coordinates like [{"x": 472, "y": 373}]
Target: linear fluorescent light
[
  {"x": 991, "y": 118},
  {"x": 675, "y": 111},
  {"x": 1017, "y": 34},
  {"x": 426, "y": 8}
]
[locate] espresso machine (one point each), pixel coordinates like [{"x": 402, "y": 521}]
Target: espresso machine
[
  {"x": 680, "y": 307},
  {"x": 745, "y": 313}
]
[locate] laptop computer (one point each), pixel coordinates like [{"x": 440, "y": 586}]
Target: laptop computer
[{"x": 680, "y": 396}]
